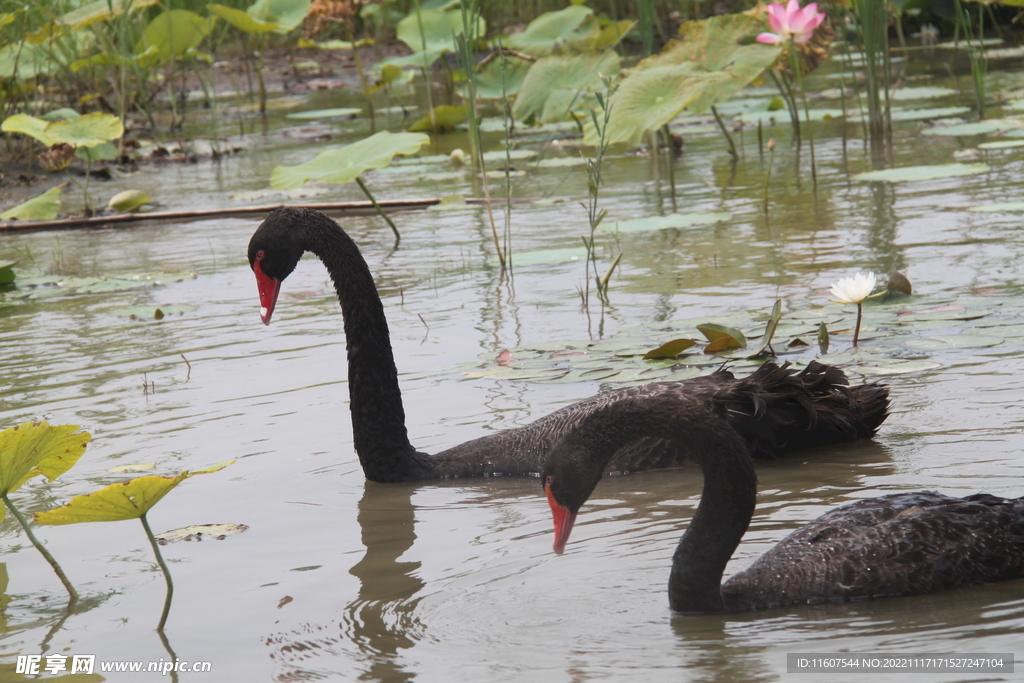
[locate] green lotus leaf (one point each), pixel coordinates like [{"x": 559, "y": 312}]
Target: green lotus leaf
[
  {"x": 343, "y": 164},
  {"x": 670, "y": 349},
  {"x": 927, "y": 114},
  {"x": 325, "y": 113},
  {"x": 125, "y": 500},
  {"x": 35, "y": 448},
  {"x": 707, "y": 66},
  {"x": 552, "y": 86},
  {"x": 199, "y": 531},
  {"x": 530, "y": 258},
  {"x": 769, "y": 332},
  {"x": 173, "y": 33},
  {"x": 489, "y": 85},
  {"x": 287, "y": 13},
  {"x": 104, "y": 152},
  {"x": 441, "y": 118},
  {"x": 1001, "y": 144},
  {"x": 100, "y": 10},
  {"x": 977, "y": 128},
  {"x": 41, "y": 208},
  {"x": 554, "y": 31},
  {"x": 439, "y": 29},
  {"x": 714, "y": 332},
  {"x": 7, "y": 274},
  {"x": 419, "y": 60},
  {"x": 612, "y": 34},
  {"x": 912, "y": 173},
  {"x": 244, "y": 22},
  {"x": 86, "y": 131},
  {"x": 674, "y": 220},
  {"x": 28, "y": 125}
]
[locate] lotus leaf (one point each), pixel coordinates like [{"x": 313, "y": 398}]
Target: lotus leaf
[
  {"x": 129, "y": 200},
  {"x": 912, "y": 173},
  {"x": 28, "y": 125},
  {"x": 670, "y": 349},
  {"x": 35, "y": 448},
  {"x": 567, "y": 28},
  {"x": 287, "y": 13},
  {"x": 979, "y": 128},
  {"x": 439, "y": 30},
  {"x": 489, "y": 84},
  {"x": 173, "y": 33},
  {"x": 24, "y": 60},
  {"x": 927, "y": 114},
  {"x": 125, "y": 500},
  {"x": 86, "y": 131},
  {"x": 197, "y": 532},
  {"x": 419, "y": 60},
  {"x": 715, "y": 333},
  {"x": 7, "y": 274},
  {"x": 675, "y": 220},
  {"x": 441, "y": 118},
  {"x": 343, "y": 164},
  {"x": 41, "y": 208},
  {"x": 530, "y": 258},
  {"x": 551, "y": 87},
  {"x": 100, "y": 10},
  {"x": 325, "y": 113},
  {"x": 706, "y": 67}
]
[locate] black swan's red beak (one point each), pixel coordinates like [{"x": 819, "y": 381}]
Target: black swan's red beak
[
  {"x": 563, "y": 518},
  {"x": 269, "y": 289}
]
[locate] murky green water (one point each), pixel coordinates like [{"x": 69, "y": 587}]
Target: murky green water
[{"x": 339, "y": 579}]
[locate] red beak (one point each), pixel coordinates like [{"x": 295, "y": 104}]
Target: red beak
[
  {"x": 563, "y": 518},
  {"x": 269, "y": 289}
]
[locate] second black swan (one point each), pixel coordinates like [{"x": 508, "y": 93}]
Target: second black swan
[
  {"x": 899, "y": 544},
  {"x": 774, "y": 410}
]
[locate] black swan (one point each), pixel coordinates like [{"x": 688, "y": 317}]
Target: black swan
[
  {"x": 898, "y": 544},
  {"x": 763, "y": 403}
]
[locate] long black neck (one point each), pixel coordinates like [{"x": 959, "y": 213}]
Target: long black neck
[
  {"x": 730, "y": 484},
  {"x": 378, "y": 418}
]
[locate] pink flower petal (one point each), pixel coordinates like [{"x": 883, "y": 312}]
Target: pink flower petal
[
  {"x": 793, "y": 7},
  {"x": 769, "y": 38},
  {"x": 777, "y": 18}
]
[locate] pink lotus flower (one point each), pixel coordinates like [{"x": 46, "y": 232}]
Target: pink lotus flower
[{"x": 791, "y": 21}]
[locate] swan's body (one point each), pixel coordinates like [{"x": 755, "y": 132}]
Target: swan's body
[
  {"x": 775, "y": 409},
  {"x": 900, "y": 544}
]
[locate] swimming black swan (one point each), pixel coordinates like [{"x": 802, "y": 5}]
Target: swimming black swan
[
  {"x": 899, "y": 544},
  {"x": 775, "y": 409}
]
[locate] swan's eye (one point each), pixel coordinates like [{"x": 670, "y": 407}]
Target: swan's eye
[
  {"x": 549, "y": 480},
  {"x": 260, "y": 253}
]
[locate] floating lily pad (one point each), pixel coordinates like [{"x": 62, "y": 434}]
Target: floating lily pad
[
  {"x": 915, "y": 173},
  {"x": 927, "y": 114},
  {"x": 783, "y": 115},
  {"x": 1006, "y": 206},
  {"x": 326, "y": 113},
  {"x": 895, "y": 367},
  {"x": 670, "y": 349},
  {"x": 198, "y": 532},
  {"x": 675, "y": 220},
  {"x": 141, "y": 467},
  {"x": 562, "y": 162},
  {"x": 7, "y": 274},
  {"x": 515, "y": 155},
  {"x": 33, "y": 286},
  {"x": 924, "y": 92},
  {"x": 973, "y": 341},
  {"x": 530, "y": 258},
  {"x": 965, "y": 129},
  {"x": 1001, "y": 144}
]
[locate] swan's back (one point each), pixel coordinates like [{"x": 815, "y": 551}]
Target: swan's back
[
  {"x": 900, "y": 544},
  {"x": 775, "y": 409}
]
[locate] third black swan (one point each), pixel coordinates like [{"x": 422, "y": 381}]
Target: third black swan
[
  {"x": 899, "y": 544},
  {"x": 774, "y": 410}
]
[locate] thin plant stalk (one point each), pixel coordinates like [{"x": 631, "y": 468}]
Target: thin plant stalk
[
  {"x": 725, "y": 131},
  {"x": 425, "y": 67},
  {"x": 72, "y": 593},
  {"x": 856, "y": 329},
  {"x": 874, "y": 27},
  {"x": 369, "y": 195},
  {"x": 768, "y": 172},
  {"x": 594, "y": 182},
  {"x": 798, "y": 74},
  {"x": 362, "y": 79},
  {"x": 163, "y": 567}
]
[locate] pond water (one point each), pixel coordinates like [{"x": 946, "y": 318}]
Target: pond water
[{"x": 340, "y": 579}]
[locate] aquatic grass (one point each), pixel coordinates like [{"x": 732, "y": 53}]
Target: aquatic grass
[{"x": 594, "y": 182}]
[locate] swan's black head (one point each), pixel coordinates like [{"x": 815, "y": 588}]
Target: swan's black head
[
  {"x": 570, "y": 475},
  {"x": 274, "y": 250}
]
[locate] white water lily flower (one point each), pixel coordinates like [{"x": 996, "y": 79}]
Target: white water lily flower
[{"x": 853, "y": 290}]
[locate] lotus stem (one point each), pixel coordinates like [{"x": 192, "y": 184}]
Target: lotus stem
[
  {"x": 856, "y": 330},
  {"x": 72, "y": 593},
  {"x": 163, "y": 567},
  {"x": 768, "y": 172},
  {"x": 725, "y": 132},
  {"x": 798, "y": 72},
  {"x": 366, "y": 191}
]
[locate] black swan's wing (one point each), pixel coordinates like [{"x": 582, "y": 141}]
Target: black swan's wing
[
  {"x": 900, "y": 544},
  {"x": 776, "y": 409}
]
